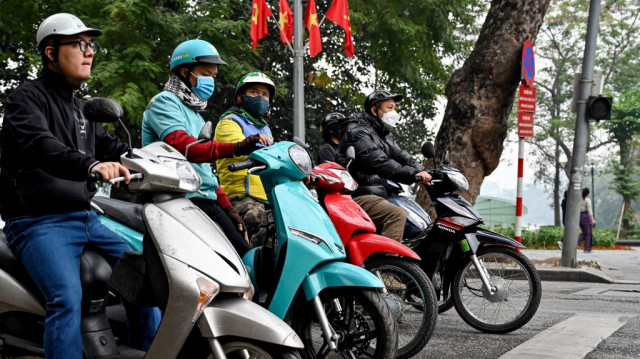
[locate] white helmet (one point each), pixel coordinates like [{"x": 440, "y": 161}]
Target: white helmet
[{"x": 63, "y": 24}]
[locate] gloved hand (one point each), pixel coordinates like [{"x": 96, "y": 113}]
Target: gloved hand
[
  {"x": 249, "y": 144},
  {"x": 237, "y": 220}
]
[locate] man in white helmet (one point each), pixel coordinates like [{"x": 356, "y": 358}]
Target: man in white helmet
[{"x": 48, "y": 152}]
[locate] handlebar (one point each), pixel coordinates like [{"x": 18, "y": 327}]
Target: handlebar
[
  {"x": 134, "y": 176},
  {"x": 242, "y": 165},
  {"x": 94, "y": 177}
]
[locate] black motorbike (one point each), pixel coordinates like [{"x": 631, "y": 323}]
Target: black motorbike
[{"x": 495, "y": 288}]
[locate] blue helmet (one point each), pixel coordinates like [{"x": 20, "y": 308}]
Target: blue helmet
[{"x": 193, "y": 51}]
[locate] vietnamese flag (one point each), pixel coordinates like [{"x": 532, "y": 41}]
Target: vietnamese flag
[
  {"x": 285, "y": 21},
  {"x": 339, "y": 13},
  {"x": 311, "y": 19},
  {"x": 259, "y": 13}
]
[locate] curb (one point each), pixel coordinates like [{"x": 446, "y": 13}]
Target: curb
[
  {"x": 572, "y": 275},
  {"x": 628, "y": 242}
]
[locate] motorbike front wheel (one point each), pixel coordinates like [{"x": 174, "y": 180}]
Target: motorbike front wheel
[
  {"x": 412, "y": 299},
  {"x": 517, "y": 291},
  {"x": 359, "y": 316},
  {"x": 243, "y": 349}
]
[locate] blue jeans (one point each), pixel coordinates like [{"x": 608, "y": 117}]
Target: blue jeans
[{"x": 50, "y": 247}]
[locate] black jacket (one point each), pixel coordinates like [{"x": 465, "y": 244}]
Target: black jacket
[
  {"x": 48, "y": 148},
  {"x": 378, "y": 157},
  {"x": 328, "y": 152}
]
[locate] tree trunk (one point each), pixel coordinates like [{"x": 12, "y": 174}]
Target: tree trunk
[{"x": 481, "y": 93}]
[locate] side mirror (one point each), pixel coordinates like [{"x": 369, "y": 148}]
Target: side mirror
[
  {"x": 297, "y": 140},
  {"x": 428, "y": 150},
  {"x": 100, "y": 109},
  {"x": 350, "y": 153},
  {"x": 206, "y": 134}
]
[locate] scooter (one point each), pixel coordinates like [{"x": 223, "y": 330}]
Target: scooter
[
  {"x": 494, "y": 287},
  {"x": 334, "y": 306},
  {"x": 408, "y": 291},
  {"x": 188, "y": 268}
]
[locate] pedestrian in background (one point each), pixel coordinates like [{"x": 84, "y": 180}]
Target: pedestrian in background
[{"x": 586, "y": 221}]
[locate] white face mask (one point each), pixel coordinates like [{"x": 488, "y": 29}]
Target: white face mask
[{"x": 391, "y": 118}]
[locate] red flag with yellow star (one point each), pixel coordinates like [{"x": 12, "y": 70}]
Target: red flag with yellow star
[
  {"x": 311, "y": 19},
  {"x": 259, "y": 14},
  {"x": 339, "y": 13},
  {"x": 285, "y": 21}
]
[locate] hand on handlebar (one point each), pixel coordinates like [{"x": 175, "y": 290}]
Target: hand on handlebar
[
  {"x": 110, "y": 170},
  {"x": 424, "y": 177},
  {"x": 250, "y": 144}
]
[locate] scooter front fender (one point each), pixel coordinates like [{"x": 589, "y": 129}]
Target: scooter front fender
[
  {"x": 485, "y": 237},
  {"x": 338, "y": 274},
  {"x": 363, "y": 245},
  {"x": 245, "y": 319}
]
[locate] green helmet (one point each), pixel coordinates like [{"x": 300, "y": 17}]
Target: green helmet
[
  {"x": 192, "y": 51},
  {"x": 256, "y": 78}
]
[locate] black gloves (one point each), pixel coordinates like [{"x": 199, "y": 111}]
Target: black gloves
[{"x": 246, "y": 146}]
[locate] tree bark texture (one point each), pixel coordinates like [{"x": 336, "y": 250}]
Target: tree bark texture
[{"x": 481, "y": 93}]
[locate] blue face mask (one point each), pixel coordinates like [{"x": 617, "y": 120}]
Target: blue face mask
[
  {"x": 204, "y": 86},
  {"x": 256, "y": 106}
]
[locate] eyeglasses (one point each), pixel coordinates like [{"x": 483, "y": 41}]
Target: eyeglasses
[{"x": 83, "y": 45}]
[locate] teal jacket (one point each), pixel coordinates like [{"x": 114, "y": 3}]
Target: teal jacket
[{"x": 165, "y": 114}]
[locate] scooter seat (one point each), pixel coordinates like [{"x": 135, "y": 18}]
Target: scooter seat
[
  {"x": 129, "y": 214},
  {"x": 10, "y": 264}
]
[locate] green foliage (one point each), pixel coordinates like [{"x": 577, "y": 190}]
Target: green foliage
[
  {"x": 548, "y": 236},
  {"x": 400, "y": 49}
]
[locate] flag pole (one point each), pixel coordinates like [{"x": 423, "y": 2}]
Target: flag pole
[
  {"x": 298, "y": 71},
  {"x": 281, "y": 31}
]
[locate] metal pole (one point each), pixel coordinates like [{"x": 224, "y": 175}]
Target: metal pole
[
  {"x": 519, "y": 191},
  {"x": 574, "y": 195},
  {"x": 593, "y": 193},
  {"x": 298, "y": 71}
]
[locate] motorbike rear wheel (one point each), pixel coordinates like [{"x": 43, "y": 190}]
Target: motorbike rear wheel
[
  {"x": 359, "y": 316},
  {"x": 412, "y": 300},
  {"x": 513, "y": 304}
]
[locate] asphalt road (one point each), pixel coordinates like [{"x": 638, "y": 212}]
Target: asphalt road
[{"x": 574, "y": 320}]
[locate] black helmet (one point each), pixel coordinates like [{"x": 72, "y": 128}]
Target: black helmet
[
  {"x": 331, "y": 123},
  {"x": 378, "y": 96}
]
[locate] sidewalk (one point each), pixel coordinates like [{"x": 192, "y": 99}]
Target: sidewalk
[{"x": 600, "y": 266}]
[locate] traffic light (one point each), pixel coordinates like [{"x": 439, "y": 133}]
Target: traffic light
[{"x": 599, "y": 108}]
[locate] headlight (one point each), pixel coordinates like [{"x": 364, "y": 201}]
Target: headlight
[
  {"x": 189, "y": 179},
  {"x": 459, "y": 180},
  {"x": 208, "y": 290},
  {"x": 349, "y": 183},
  {"x": 301, "y": 158},
  {"x": 417, "y": 219}
]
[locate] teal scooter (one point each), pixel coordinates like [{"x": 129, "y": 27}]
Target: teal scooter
[{"x": 334, "y": 306}]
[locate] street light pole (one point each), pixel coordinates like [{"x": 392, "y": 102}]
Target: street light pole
[
  {"x": 298, "y": 71},
  {"x": 580, "y": 140},
  {"x": 593, "y": 192}
]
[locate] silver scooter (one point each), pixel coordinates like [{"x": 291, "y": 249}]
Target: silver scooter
[{"x": 188, "y": 268}]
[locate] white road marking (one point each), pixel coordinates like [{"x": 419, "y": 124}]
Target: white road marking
[{"x": 573, "y": 338}]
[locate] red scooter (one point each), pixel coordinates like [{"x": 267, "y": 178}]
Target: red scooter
[{"x": 408, "y": 291}]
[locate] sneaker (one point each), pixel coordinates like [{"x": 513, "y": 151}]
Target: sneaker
[
  {"x": 392, "y": 283},
  {"x": 559, "y": 244}
]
